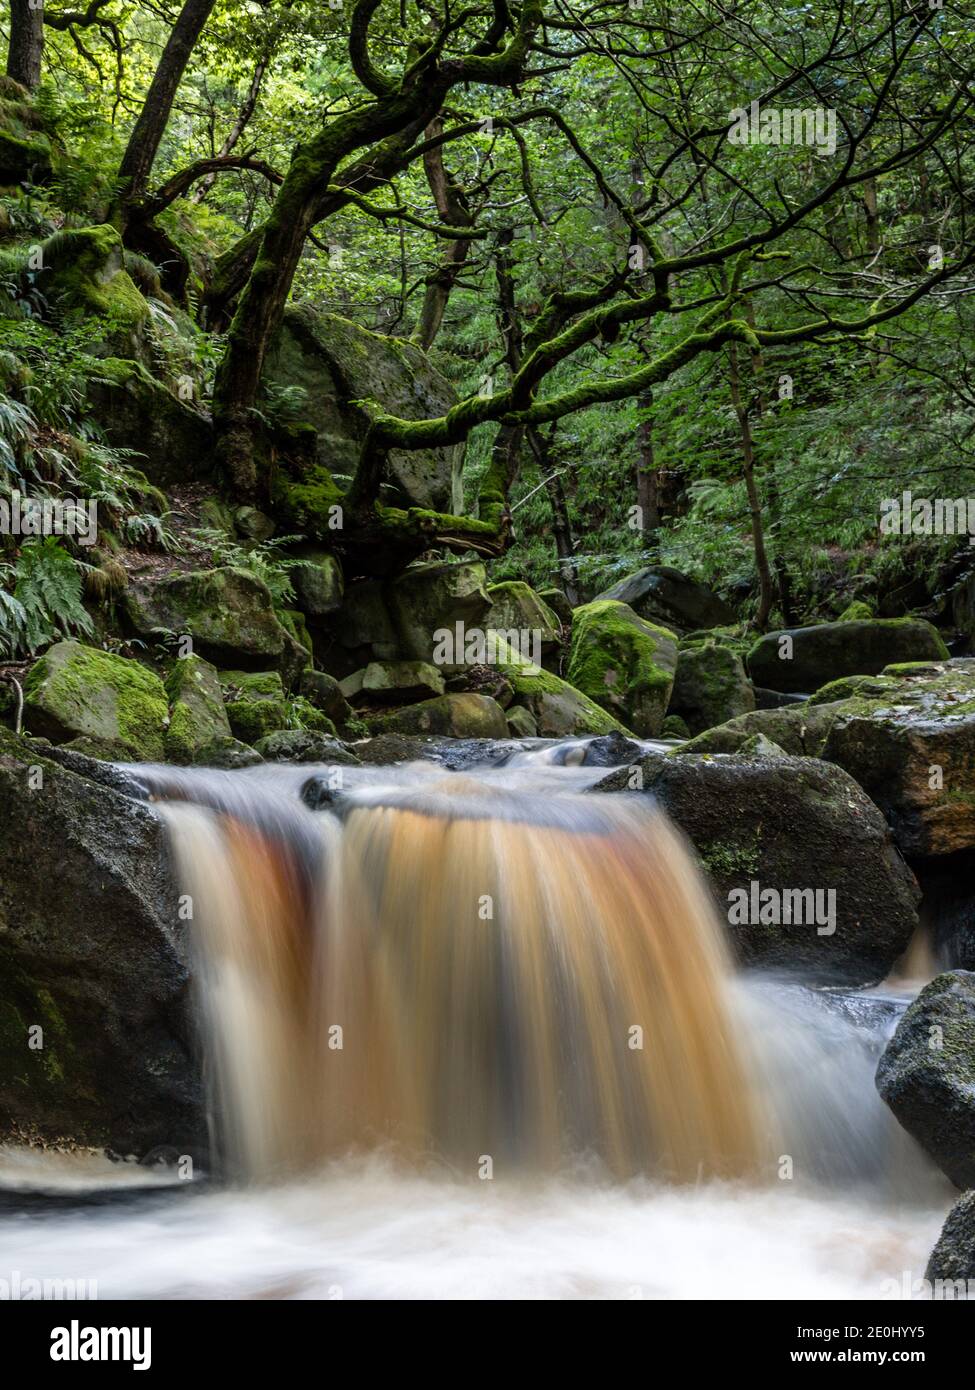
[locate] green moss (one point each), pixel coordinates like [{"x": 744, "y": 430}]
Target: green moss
[
  {"x": 252, "y": 685},
  {"x": 726, "y": 859},
  {"x": 251, "y": 720},
  {"x": 857, "y": 611},
  {"x": 85, "y": 272},
  {"x": 76, "y": 690},
  {"x": 294, "y": 623}
]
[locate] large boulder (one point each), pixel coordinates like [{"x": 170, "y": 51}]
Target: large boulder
[
  {"x": 228, "y": 612},
  {"x": 455, "y": 716},
  {"x": 767, "y": 829},
  {"x": 317, "y": 580},
  {"x": 515, "y": 607},
  {"x": 907, "y": 736},
  {"x": 93, "y": 953},
  {"x": 433, "y": 606},
  {"x": 74, "y": 691},
  {"x": 197, "y": 717},
  {"x": 952, "y": 1262},
  {"x": 927, "y": 1073},
  {"x": 623, "y": 663},
  {"x": 335, "y": 362},
  {"x": 393, "y": 683},
  {"x": 806, "y": 658},
  {"x": 710, "y": 686},
  {"x": 664, "y": 595}
]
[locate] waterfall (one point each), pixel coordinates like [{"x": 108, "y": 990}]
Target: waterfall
[{"x": 459, "y": 967}]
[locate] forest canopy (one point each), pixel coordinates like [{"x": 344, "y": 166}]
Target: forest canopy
[{"x": 700, "y": 274}]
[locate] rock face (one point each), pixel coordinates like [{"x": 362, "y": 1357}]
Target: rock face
[
  {"x": 623, "y": 663},
  {"x": 75, "y": 691},
  {"x": 927, "y": 1073},
  {"x": 335, "y": 362},
  {"x": 228, "y": 613},
  {"x": 664, "y": 595},
  {"x": 710, "y": 686},
  {"x": 92, "y": 951},
  {"x": 789, "y": 824},
  {"x": 197, "y": 717},
  {"x": 806, "y": 658},
  {"x": 953, "y": 1257},
  {"x": 456, "y": 716}
]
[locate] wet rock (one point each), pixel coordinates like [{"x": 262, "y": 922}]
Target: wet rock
[
  {"x": 92, "y": 951},
  {"x": 927, "y": 1073},
  {"x": 303, "y": 746},
  {"x": 791, "y": 825},
  {"x": 456, "y": 716},
  {"x": 953, "y": 1257},
  {"x": 521, "y": 724},
  {"x": 806, "y": 658},
  {"x": 229, "y": 754}
]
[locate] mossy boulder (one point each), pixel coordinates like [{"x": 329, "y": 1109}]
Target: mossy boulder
[
  {"x": 304, "y": 746},
  {"x": 84, "y": 270},
  {"x": 856, "y": 612},
  {"x": 927, "y": 1073},
  {"x": 197, "y": 715},
  {"x": 393, "y": 683},
  {"x": 317, "y": 580},
  {"x": 556, "y": 600},
  {"x": 75, "y": 691},
  {"x": 805, "y": 658},
  {"x": 135, "y": 411},
  {"x": 28, "y": 151},
  {"x": 676, "y": 601},
  {"x": 228, "y": 612},
  {"x": 252, "y": 720},
  {"x": 324, "y": 693},
  {"x": 334, "y": 363},
  {"x": 793, "y": 826},
  {"x": 93, "y": 951},
  {"x": 228, "y": 754},
  {"x": 710, "y": 686},
  {"x": 427, "y": 602},
  {"x": 558, "y": 708},
  {"x": 455, "y": 716},
  {"x": 516, "y": 608},
  {"x": 623, "y": 663}
]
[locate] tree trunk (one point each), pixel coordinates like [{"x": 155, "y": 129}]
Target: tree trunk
[
  {"x": 148, "y": 131},
  {"x": 452, "y": 207},
  {"x": 26, "y": 47},
  {"x": 765, "y": 593},
  {"x": 561, "y": 523}
]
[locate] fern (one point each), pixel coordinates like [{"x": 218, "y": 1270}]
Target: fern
[{"x": 48, "y": 590}]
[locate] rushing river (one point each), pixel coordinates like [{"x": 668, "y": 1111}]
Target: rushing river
[{"x": 477, "y": 1035}]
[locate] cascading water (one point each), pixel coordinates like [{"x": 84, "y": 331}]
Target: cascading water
[
  {"x": 435, "y": 969},
  {"x": 453, "y": 967}
]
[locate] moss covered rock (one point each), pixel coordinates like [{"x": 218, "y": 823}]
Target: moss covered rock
[
  {"x": 623, "y": 663},
  {"x": 28, "y": 151},
  {"x": 252, "y": 720},
  {"x": 927, "y": 1073},
  {"x": 138, "y": 412},
  {"x": 324, "y": 693},
  {"x": 304, "y": 746},
  {"x": 197, "y": 715},
  {"x": 433, "y": 607},
  {"x": 84, "y": 270},
  {"x": 456, "y": 716},
  {"x": 806, "y": 658},
  {"x": 521, "y": 723},
  {"x": 792, "y": 825},
  {"x": 953, "y": 1257},
  {"x": 335, "y": 362},
  {"x": 558, "y": 708},
  {"x": 75, "y": 691},
  {"x": 228, "y": 612},
  {"x": 516, "y": 608},
  {"x": 228, "y": 754},
  {"x": 664, "y": 595},
  {"x": 317, "y": 580},
  {"x": 710, "y": 686}
]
